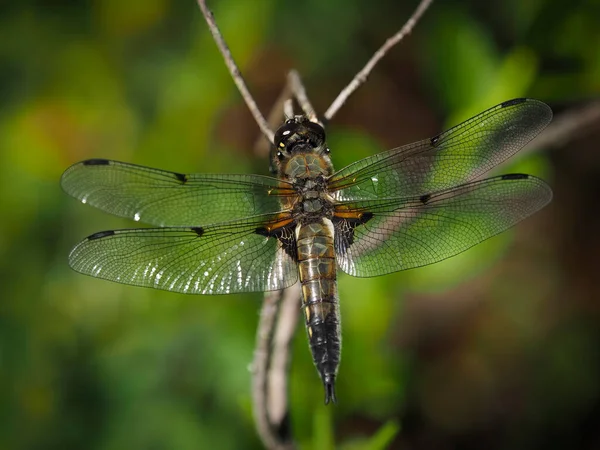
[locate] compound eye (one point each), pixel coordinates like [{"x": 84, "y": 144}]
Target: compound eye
[
  {"x": 327, "y": 150},
  {"x": 317, "y": 130},
  {"x": 285, "y": 131}
]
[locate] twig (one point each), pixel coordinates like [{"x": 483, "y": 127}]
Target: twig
[
  {"x": 300, "y": 94},
  {"x": 277, "y": 325},
  {"x": 361, "y": 77},
  {"x": 235, "y": 72},
  {"x": 280, "y": 310},
  {"x": 288, "y": 109},
  {"x": 262, "y": 147}
]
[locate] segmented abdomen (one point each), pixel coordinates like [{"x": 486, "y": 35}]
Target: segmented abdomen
[{"x": 317, "y": 270}]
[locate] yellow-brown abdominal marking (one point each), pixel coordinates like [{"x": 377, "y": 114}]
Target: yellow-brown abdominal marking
[{"x": 317, "y": 271}]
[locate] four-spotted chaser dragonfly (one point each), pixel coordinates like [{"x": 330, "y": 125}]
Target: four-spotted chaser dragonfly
[{"x": 222, "y": 234}]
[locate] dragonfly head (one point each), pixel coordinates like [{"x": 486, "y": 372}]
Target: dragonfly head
[{"x": 294, "y": 141}]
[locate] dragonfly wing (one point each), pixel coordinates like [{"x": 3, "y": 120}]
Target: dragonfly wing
[
  {"x": 454, "y": 157},
  {"x": 217, "y": 259},
  {"x": 162, "y": 198},
  {"x": 397, "y": 234}
]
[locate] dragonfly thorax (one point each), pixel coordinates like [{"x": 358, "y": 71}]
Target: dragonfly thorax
[
  {"x": 313, "y": 199},
  {"x": 306, "y": 166}
]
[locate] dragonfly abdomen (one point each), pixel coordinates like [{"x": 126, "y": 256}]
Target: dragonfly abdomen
[{"x": 317, "y": 270}]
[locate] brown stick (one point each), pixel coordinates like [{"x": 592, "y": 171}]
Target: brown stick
[
  {"x": 280, "y": 310},
  {"x": 262, "y": 146},
  {"x": 300, "y": 94},
  {"x": 235, "y": 72},
  {"x": 361, "y": 77},
  {"x": 276, "y": 328}
]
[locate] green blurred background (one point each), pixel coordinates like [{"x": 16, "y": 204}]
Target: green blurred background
[{"x": 497, "y": 348}]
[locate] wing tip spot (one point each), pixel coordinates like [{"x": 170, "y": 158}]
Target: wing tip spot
[
  {"x": 96, "y": 162},
  {"x": 514, "y": 101},
  {"x": 514, "y": 176},
  {"x": 425, "y": 198},
  {"x": 100, "y": 235}
]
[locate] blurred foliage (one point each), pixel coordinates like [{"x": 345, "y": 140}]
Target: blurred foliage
[{"x": 498, "y": 347}]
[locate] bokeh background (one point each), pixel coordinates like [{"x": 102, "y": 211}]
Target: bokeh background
[{"x": 498, "y": 348}]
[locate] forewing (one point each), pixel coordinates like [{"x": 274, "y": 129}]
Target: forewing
[
  {"x": 162, "y": 198},
  {"x": 224, "y": 259},
  {"x": 406, "y": 233},
  {"x": 454, "y": 157}
]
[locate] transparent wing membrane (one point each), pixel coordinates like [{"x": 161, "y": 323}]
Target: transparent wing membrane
[
  {"x": 454, "y": 157},
  {"x": 162, "y": 198},
  {"x": 407, "y": 233},
  {"x": 405, "y": 208},
  {"x": 223, "y": 259}
]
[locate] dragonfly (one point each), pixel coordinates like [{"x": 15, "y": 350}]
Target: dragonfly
[{"x": 224, "y": 233}]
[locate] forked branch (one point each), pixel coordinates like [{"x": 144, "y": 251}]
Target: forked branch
[{"x": 280, "y": 310}]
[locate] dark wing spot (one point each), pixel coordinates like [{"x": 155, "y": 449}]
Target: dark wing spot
[
  {"x": 96, "y": 162},
  {"x": 198, "y": 230},
  {"x": 263, "y": 232},
  {"x": 285, "y": 235},
  {"x": 434, "y": 140},
  {"x": 514, "y": 101},
  {"x": 344, "y": 231},
  {"x": 425, "y": 198},
  {"x": 365, "y": 217},
  {"x": 100, "y": 234},
  {"x": 515, "y": 176},
  {"x": 182, "y": 177}
]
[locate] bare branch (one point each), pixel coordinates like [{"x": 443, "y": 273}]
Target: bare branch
[
  {"x": 262, "y": 147},
  {"x": 278, "y": 321},
  {"x": 288, "y": 109},
  {"x": 300, "y": 94},
  {"x": 361, "y": 77},
  {"x": 235, "y": 72}
]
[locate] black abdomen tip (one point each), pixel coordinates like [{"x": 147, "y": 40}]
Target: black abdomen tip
[{"x": 329, "y": 385}]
